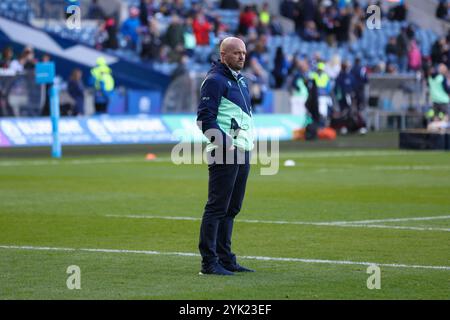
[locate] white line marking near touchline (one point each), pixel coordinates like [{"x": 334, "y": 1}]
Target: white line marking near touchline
[
  {"x": 313, "y": 155},
  {"x": 396, "y": 220},
  {"x": 344, "y": 224},
  {"x": 189, "y": 254},
  {"x": 78, "y": 162}
]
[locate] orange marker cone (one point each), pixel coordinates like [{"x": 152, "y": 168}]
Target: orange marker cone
[{"x": 150, "y": 156}]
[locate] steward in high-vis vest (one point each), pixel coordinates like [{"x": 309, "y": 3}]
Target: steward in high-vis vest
[
  {"x": 103, "y": 82},
  {"x": 439, "y": 93},
  {"x": 323, "y": 83}
]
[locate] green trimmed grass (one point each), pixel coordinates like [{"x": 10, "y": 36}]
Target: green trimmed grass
[{"x": 65, "y": 204}]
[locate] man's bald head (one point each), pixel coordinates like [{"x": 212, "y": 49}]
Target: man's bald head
[
  {"x": 232, "y": 53},
  {"x": 230, "y": 43}
]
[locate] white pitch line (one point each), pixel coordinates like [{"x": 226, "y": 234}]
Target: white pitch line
[
  {"x": 77, "y": 162},
  {"x": 260, "y": 258},
  {"x": 339, "y": 154},
  {"x": 379, "y": 226},
  {"x": 344, "y": 154},
  {"x": 345, "y": 224},
  {"x": 394, "y": 220}
]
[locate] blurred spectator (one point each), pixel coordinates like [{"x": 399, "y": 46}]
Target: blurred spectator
[
  {"x": 146, "y": 11},
  {"x": 219, "y": 28},
  {"x": 109, "y": 27},
  {"x": 229, "y": 4},
  {"x": 345, "y": 87},
  {"x": 410, "y": 32},
  {"x": 390, "y": 69},
  {"x": 182, "y": 67},
  {"x": 46, "y": 58},
  {"x": 440, "y": 51},
  {"x": 130, "y": 27},
  {"x": 280, "y": 69},
  {"x": 439, "y": 92},
  {"x": 402, "y": 50},
  {"x": 300, "y": 89},
  {"x": 343, "y": 26},
  {"x": 276, "y": 28},
  {"x": 288, "y": 8},
  {"x": 359, "y": 73},
  {"x": 315, "y": 60},
  {"x": 258, "y": 61},
  {"x": 264, "y": 21},
  {"x": 6, "y": 58},
  {"x": 398, "y": 12},
  {"x": 151, "y": 43},
  {"x": 166, "y": 8},
  {"x": 391, "y": 51},
  {"x": 189, "y": 37},
  {"x": 103, "y": 83},
  {"x": 247, "y": 20},
  {"x": 174, "y": 37},
  {"x": 309, "y": 10},
  {"x": 323, "y": 83},
  {"x": 414, "y": 56},
  {"x": 264, "y": 14},
  {"x": 178, "y": 8},
  {"x": 310, "y": 32},
  {"x": 357, "y": 23},
  {"x": 348, "y": 118},
  {"x": 330, "y": 23},
  {"x": 255, "y": 68},
  {"x": 75, "y": 89},
  {"x": 95, "y": 11},
  {"x": 30, "y": 60},
  {"x": 442, "y": 10},
  {"x": 201, "y": 28},
  {"x": 17, "y": 65},
  {"x": 333, "y": 68}
]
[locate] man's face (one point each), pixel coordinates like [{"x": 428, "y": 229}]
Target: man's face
[{"x": 233, "y": 55}]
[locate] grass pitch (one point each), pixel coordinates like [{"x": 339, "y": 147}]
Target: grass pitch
[{"x": 132, "y": 227}]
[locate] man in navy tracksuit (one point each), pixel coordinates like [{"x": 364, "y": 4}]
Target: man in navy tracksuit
[{"x": 225, "y": 117}]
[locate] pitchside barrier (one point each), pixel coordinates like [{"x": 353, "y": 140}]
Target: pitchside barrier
[
  {"x": 139, "y": 129},
  {"x": 425, "y": 140}
]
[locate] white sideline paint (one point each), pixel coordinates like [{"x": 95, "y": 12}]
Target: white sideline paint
[
  {"x": 318, "y": 168},
  {"x": 10, "y": 163},
  {"x": 368, "y": 153},
  {"x": 76, "y": 162},
  {"x": 396, "y": 220},
  {"x": 352, "y": 224},
  {"x": 189, "y": 254},
  {"x": 380, "y": 226}
]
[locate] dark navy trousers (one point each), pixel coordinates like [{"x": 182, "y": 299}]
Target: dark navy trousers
[{"x": 226, "y": 189}]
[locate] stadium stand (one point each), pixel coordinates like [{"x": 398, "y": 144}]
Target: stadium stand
[{"x": 368, "y": 46}]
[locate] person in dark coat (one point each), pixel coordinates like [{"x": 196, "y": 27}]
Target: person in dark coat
[{"x": 76, "y": 91}]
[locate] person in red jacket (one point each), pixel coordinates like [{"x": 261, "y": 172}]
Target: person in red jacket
[
  {"x": 201, "y": 28},
  {"x": 247, "y": 20}
]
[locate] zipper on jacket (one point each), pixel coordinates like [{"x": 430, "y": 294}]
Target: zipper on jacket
[{"x": 245, "y": 102}]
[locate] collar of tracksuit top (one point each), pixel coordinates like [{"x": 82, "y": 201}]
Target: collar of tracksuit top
[{"x": 225, "y": 105}]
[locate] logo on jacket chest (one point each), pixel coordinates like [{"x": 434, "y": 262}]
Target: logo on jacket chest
[{"x": 240, "y": 82}]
